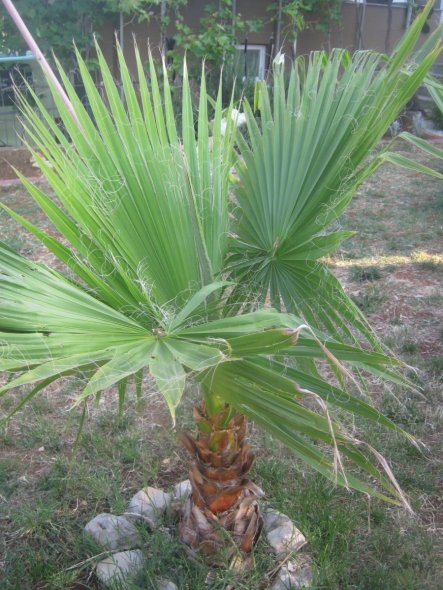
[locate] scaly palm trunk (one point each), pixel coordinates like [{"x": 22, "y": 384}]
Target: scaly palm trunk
[{"x": 222, "y": 518}]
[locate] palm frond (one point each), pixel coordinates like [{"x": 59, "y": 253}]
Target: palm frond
[
  {"x": 270, "y": 401},
  {"x": 134, "y": 183},
  {"x": 142, "y": 210},
  {"x": 306, "y": 156},
  {"x": 435, "y": 88}
]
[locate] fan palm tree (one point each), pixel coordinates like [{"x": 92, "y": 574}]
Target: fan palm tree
[{"x": 178, "y": 267}]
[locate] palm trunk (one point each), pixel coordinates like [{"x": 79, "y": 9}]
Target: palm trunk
[{"x": 222, "y": 518}]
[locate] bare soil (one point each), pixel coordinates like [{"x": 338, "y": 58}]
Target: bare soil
[{"x": 18, "y": 158}]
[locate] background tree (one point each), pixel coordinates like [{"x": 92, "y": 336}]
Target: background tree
[
  {"x": 294, "y": 16},
  {"x": 218, "y": 32},
  {"x": 55, "y": 24}
]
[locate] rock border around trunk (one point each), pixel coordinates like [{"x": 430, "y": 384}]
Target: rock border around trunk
[{"x": 126, "y": 560}]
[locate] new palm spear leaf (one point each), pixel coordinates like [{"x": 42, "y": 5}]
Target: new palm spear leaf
[{"x": 175, "y": 260}]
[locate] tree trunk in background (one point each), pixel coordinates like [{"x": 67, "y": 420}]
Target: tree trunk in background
[
  {"x": 409, "y": 14},
  {"x": 234, "y": 13},
  {"x": 277, "y": 29},
  {"x": 388, "y": 28},
  {"x": 163, "y": 10},
  {"x": 360, "y": 9},
  {"x": 221, "y": 519}
]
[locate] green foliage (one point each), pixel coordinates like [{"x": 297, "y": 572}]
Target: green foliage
[
  {"x": 435, "y": 89},
  {"x": 173, "y": 273},
  {"x": 217, "y": 35},
  {"x": 307, "y": 156},
  {"x": 298, "y": 14},
  {"x": 141, "y": 8},
  {"x": 55, "y": 25}
]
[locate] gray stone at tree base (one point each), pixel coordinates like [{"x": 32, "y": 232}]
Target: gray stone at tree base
[
  {"x": 182, "y": 490},
  {"x": 272, "y": 519},
  {"x": 149, "y": 504},
  {"x": 283, "y": 536},
  {"x": 112, "y": 532},
  {"x": 166, "y": 585},
  {"x": 293, "y": 576},
  {"x": 119, "y": 569}
]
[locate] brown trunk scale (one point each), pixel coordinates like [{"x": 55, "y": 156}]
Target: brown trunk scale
[{"x": 221, "y": 519}]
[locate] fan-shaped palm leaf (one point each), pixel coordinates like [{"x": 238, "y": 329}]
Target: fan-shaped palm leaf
[{"x": 305, "y": 158}]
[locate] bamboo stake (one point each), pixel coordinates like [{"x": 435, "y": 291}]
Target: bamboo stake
[{"x": 24, "y": 31}]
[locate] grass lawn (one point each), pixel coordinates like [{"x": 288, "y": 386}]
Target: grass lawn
[{"x": 393, "y": 268}]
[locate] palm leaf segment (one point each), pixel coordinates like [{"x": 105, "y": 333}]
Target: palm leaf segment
[{"x": 143, "y": 208}]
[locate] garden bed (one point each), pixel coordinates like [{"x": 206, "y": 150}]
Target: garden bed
[{"x": 18, "y": 158}]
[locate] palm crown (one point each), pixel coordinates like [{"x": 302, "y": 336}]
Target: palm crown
[{"x": 177, "y": 255}]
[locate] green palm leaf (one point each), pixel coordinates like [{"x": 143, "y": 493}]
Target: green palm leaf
[
  {"x": 435, "y": 89},
  {"x": 307, "y": 155}
]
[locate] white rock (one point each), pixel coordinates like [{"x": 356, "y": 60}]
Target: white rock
[
  {"x": 112, "y": 532},
  {"x": 283, "y": 536},
  {"x": 272, "y": 519},
  {"x": 159, "y": 499},
  {"x": 117, "y": 570},
  {"x": 182, "y": 490},
  {"x": 238, "y": 118},
  {"x": 166, "y": 585},
  {"x": 150, "y": 504},
  {"x": 286, "y": 539},
  {"x": 293, "y": 576}
]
